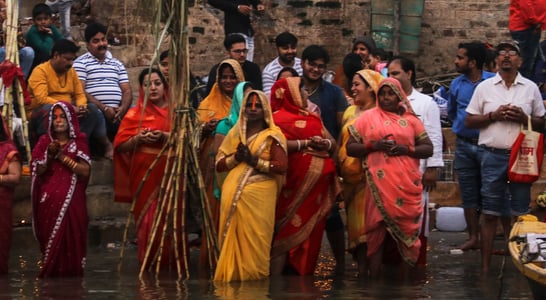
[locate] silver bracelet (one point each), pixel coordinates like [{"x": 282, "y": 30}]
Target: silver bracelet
[{"x": 299, "y": 145}]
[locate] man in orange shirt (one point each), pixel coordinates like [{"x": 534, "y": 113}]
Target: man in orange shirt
[
  {"x": 55, "y": 80},
  {"x": 527, "y": 19}
]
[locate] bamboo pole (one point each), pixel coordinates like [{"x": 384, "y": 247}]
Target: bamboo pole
[
  {"x": 12, "y": 55},
  {"x": 180, "y": 149}
]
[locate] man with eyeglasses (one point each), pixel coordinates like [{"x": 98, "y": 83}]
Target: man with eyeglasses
[
  {"x": 235, "y": 45},
  {"x": 499, "y": 107},
  {"x": 332, "y": 103},
  {"x": 237, "y": 19}
]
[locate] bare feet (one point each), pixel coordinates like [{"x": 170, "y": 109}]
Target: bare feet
[
  {"x": 109, "y": 151},
  {"x": 470, "y": 244}
]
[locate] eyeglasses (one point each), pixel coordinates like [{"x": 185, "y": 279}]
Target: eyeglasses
[
  {"x": 509, "y": 52},
  {"x": 315, "y": 65},
  {"x": 240, "y": 51}
]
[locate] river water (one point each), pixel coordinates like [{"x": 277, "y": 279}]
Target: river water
[{"x": 446, "y": 277}]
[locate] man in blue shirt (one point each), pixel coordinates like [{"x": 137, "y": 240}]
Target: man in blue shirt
[
  {"x": 332, "y": 103},
  {"x": 469, "y": 61}
]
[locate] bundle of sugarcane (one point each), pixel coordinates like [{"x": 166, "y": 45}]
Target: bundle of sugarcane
[
  {"x": 182, "y": 177},
  {"x": 12, "y": 55}
]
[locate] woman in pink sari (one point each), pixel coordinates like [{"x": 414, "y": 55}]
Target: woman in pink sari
[
  {"x": 60, "y": 172},
  {"x": 392, "y": 140},
  {"x": 311, "y": 182},
  {"x": 10, "y": 174}
]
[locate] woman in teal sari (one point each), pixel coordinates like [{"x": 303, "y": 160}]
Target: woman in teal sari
[{"x": 227, "y": 123}]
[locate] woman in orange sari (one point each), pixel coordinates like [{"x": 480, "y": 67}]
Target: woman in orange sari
[
  {"x": 393, "y": 140},
  {"x": 311, "y": 182},
  {"x": 213, "y": 108},
  {"x": 10, "y": 174},
  {"x": 141, "y": 135},
  {"x": 364, "y": 91}
]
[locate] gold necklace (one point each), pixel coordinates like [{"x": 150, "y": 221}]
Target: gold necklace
[
  {"x": 309, "y": 93},
  {"x": 65, "y": 80}
]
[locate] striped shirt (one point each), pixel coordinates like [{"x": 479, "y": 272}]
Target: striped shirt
[
  {"x": 102, "y": 79},
  {"x": 271, "y": 71}
]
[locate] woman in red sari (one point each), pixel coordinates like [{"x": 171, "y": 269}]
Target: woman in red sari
[
  {"x": 10, "y": 174},
  {"x": 393, "y": 140},
  {"x": 311, "y": 183},
  {"x": 141, "y": 136},
  {"x": 60, "y": 172}
]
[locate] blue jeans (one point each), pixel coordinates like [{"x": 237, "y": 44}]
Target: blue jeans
[
  {"x": 26, "y": 57},
  {"x": 528, "y": 40},
  {"x": 63, "y": 7},
  {"x": 495, "y": 184},
  {"x": 467, "y": 167}
]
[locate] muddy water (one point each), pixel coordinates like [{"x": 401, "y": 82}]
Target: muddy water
[{"x": 446, "y": 277}]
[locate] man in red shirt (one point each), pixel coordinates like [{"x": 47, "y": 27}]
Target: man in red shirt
[{"x": 527, "y": 19}]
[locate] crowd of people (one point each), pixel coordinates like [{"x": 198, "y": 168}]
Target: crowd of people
[{"x": 285, "y": 155}]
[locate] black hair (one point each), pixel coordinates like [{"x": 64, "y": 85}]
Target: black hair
[
  {"x": 475, "y": 51},
  {"x": 233, "y": 38},
  {"x": 63, "y": 46},
  {"x": 352, "y": 63},
  {"x": 163, "y": 55},
  {"x": 247, "y": 85},
  {"x": 41, "y": 8},
  {"x": 406, "y": 64},
  {"x": 222, "y": 66},
  {"x": 92, "y": 29},
  {"x": 289, "y": 69},
  {"x": 490, "y": 57},
  {"x": 380, "y": 52},
  {"x": 148, "y": 71},
  {"x": 285, "y": 39},
  {"x": 314, "y": 52}
]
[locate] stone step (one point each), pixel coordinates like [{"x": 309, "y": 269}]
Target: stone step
[{"x": 100, "y": 204}]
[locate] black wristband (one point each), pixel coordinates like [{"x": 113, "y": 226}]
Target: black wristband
[{"x": 491, "y": 117}]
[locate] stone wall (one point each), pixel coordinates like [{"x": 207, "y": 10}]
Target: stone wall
[{"x": 333, "y": 24}]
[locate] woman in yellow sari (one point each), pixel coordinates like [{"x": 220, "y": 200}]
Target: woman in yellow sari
[
  {"x": 254, "y": 155},
  {"x": 364, "y": 90}
]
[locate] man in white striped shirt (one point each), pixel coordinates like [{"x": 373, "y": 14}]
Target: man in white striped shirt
[
  {"x": 286, "y": 48},
  {"x": 104, "y": 78}
]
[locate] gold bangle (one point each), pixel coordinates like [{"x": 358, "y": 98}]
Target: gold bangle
[
  {"x": 231, "y": 162},
  {"x": 1, "y": 178},
  {"x": 262, "y": 166}
]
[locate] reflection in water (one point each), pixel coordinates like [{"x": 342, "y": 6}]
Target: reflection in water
[
  {"x": 246, "y": 290},
  {"x": 446, "y": 277}
]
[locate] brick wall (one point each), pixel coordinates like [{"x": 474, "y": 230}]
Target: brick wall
[{"x": 331, "y": 23}]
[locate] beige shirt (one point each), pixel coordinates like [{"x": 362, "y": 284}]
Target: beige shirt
[{"x": 492, "y": 93}]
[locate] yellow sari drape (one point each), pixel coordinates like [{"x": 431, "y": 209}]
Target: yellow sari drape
[
  {"x": 354, "y": 182},
  {"x": 247, "y": 205}
]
